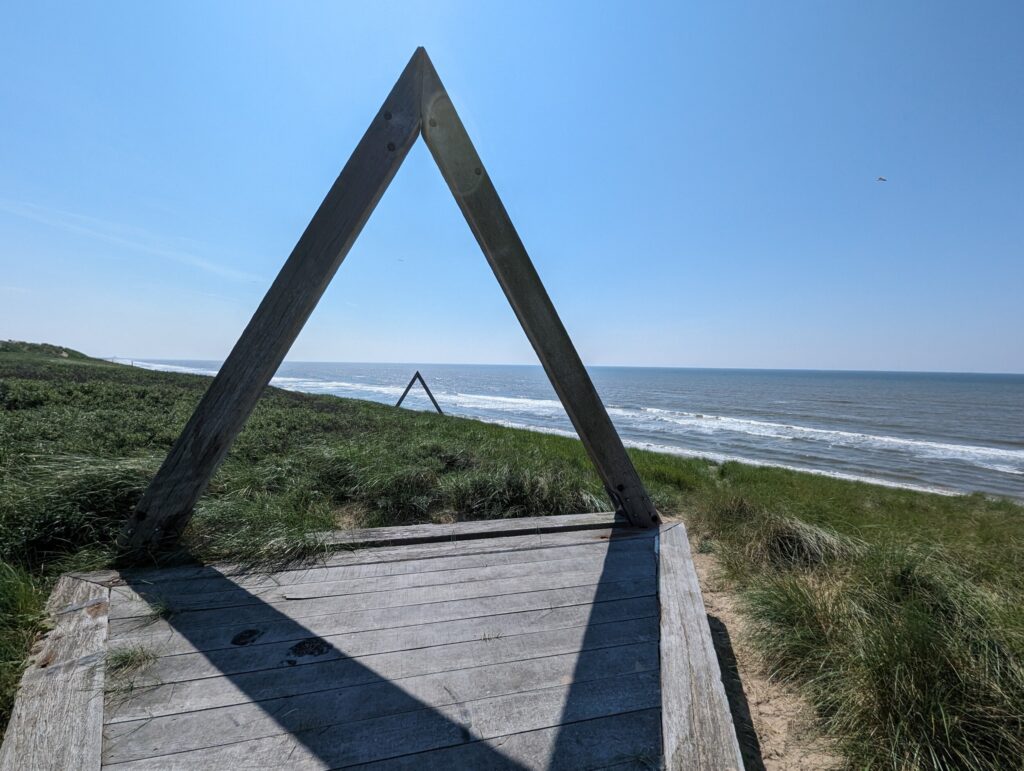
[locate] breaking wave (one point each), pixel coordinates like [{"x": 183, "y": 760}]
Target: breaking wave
[{"x": 716, "y": 437}]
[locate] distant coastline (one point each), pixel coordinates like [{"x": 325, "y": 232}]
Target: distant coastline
[{"x": 947, "y": 433}]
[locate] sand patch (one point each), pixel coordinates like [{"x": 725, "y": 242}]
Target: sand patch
[{"x": 775, "y": 725}]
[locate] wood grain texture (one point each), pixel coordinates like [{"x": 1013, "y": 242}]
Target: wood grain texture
[
  {"x": 462, "y": 531},
  {"x": 376, "y": 679},
  {"x": 500, "y": 661},
  {"x": 133, "y": 740},
  {"x": 57, "y": 719},
  {"x": 166, "y": 679},
  {"x": 334, "y": 619},
  {"x": 697, "y": 726},
  {"x": 212, "y": 592},
  {"x": 476, "y": 196},
  {"x": 167, "y": 504},
  {"x": 371, "y": 556},
  {"x": 255, "y": 615},
  {"x": 333, "y": 667},
  {"x": 127, "y": 602},
  {"x": 426, "y": 729},
  {"x": 603, "y": 743}
]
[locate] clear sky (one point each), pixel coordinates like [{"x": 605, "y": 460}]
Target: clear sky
[{"x": 696, "y": 182}]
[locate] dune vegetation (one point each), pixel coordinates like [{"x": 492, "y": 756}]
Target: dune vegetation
[{"x": 897, "y": 613}]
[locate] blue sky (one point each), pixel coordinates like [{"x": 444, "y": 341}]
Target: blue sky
[{"x": 694, "y": 181}]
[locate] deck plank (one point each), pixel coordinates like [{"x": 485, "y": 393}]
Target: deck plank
[
  {"x": 382, "y": 696},
  {"x": 165, "y": 639},
  {"x": 606, "y": 742},
  {"x": 127, "y": 602},
  {"x": 57, "y": 720},
  {"x": 374, "y": 563},
  {"x": 500, "y": 633},
  {"x": 462, "y": 531},
  {"x": 371, "y": 556},
  {"x": 425, "y": 729},
  {"x": 697, "y": 726},
  {"x": 341, "y": 670}
]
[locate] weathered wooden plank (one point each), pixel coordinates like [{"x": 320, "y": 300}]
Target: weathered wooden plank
[
  {"x": 697, "y": 726},
  {"x": 57, "y": 719},
  {"x": 425, "y": 729},
  {"x": 126, "y": 602},
  {"x": 607, "y": 742},
  {"x": 618, "y": 620},
  {"x": 476, "y": 196},
  {"x": 167, "y": 503},
  {"x": 421, "y": 563},
  {"x": 381, "y": 696},
  {"x": 471, "y": 530},
  {"x": 166, "y": 639},
  {"x": 323, "y": 667},
  {"x": 368, "y": 556},
  {"x": 302, "y": 607}
]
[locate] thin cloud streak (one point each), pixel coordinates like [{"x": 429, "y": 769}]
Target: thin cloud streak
[{"x": 134, "y": 239}]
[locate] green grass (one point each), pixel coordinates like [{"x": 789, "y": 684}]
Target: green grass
[
  {"x": 896, "y": 611},
  {"x": 911, "y": 653},
  {"x": 124, "y": 662}
]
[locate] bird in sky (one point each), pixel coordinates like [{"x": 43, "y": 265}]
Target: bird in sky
[{"x": 881, "y": 179}]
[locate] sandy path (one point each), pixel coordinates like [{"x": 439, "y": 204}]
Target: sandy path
[{"x": 783, "y": 737}]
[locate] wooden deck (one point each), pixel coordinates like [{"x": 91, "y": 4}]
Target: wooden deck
[{"x": 557, "y": 642}]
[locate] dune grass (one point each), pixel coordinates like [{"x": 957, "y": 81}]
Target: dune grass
[
  {"x": 911, "y": 654},
  {"x": 896, "y": 611}
]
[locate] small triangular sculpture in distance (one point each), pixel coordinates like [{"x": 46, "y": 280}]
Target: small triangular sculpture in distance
[
  {"x": 418, "y": 105},
  {"x": 426, "y": 388}
]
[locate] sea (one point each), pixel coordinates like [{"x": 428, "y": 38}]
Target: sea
[{"x": 947, "y": 433}]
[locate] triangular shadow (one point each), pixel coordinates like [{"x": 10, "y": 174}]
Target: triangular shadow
[
  {"x": 305, "y": 700},
  {"x": 240, "y": 683}
]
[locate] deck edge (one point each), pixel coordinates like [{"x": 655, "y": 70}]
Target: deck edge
[
  {"x": 406, "y": 535},
  {"x": 371, "y": 537},
  {"x": 697, "y": 727},
  {"x": 57, "y": 720}
]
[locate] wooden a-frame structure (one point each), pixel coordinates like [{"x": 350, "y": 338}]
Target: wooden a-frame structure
[{"x": 418, "y": 105}]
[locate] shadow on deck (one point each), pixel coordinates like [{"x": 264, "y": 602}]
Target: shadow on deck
[
  {"x": 547, "y": 643},
  {"x": 582, "y": 696}
]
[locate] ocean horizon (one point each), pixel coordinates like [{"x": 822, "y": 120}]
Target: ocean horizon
[{"x": 943, "y": 432}]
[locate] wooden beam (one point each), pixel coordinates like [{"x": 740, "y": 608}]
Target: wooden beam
[
  {"x": 57, "y": 721},
  {"x": 696, "y": 726},
  {"x": 477, "y": 198},
  {"x": 167, "y": 504}
]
